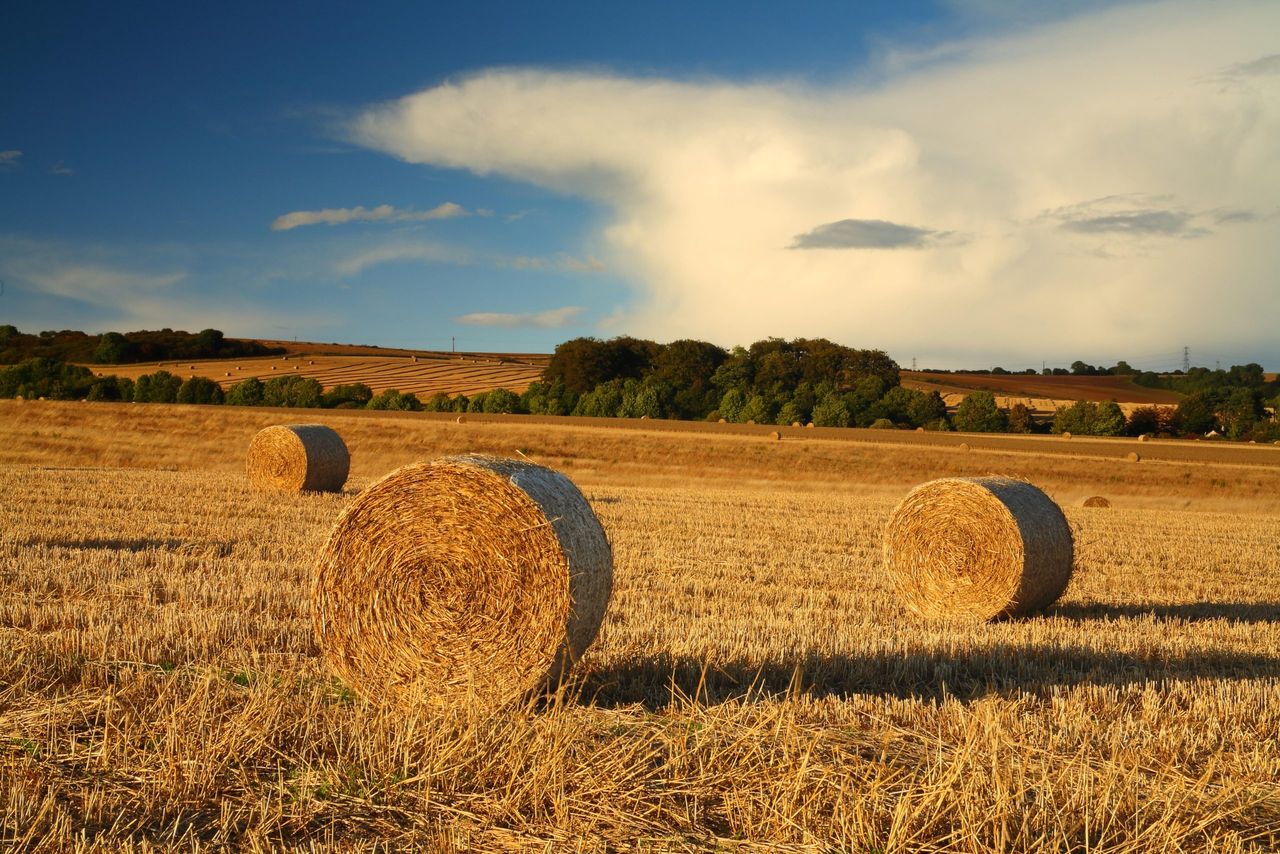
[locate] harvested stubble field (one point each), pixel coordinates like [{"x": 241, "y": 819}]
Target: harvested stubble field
[
  {"x": 756, "y": 685},
  {"x": 424, "y": 376}
]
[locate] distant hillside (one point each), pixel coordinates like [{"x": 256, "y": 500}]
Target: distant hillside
[
  {"x": 312, "y": 348},
  {"x": 422, "y": 373},
  {"x": 1041, "y": 393}
]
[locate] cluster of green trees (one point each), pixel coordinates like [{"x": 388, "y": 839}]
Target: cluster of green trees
[
  {"x": 115, "y": 348},
  {"x": 774, "y": 381}
]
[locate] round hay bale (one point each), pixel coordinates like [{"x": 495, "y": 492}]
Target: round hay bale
[
  {"x": 919, "y": 429},
  {"x": 1143, "y": 438},
  {"x": 1096, "y": 501},
  {"x": 461, "y": 419},
  {"x": 721, "y": 421},
  {"x": 1066, "y": 434},
  {"x": 978, "y": 548},
  {"x": 775, "y": 435},
  {"x": 795, "y": 424},
  {"x": 644, "y": 417},
  {"x": 462, "y": 578},
  {"x": 964, "y": 446},
  {"x": 809, "y": 426},
  {"x": 1133, "y": 456},
  {"x": 298, "y": 458},
  {"x": 751, "y": 421}
]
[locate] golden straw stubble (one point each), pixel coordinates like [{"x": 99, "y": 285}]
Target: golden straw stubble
[
  {"x": 463, "y": 579},
  {"x": 978, "y": 548},
  {"x": 298, "y": 458}
]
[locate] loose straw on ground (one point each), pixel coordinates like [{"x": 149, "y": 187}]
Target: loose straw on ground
[
  {"x": 298, "y": 458},
  {"x": 463, "y": 578},
  {"x": 978, "y": 548}
]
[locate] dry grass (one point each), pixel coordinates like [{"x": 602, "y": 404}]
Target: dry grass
[{"x": 756, "y": 684}]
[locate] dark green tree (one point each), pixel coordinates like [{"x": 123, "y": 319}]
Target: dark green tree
[
  {"x": 247, "y": 392},
  {"x": 199, "y": 390},
  {"x": 978, "y": 413}
]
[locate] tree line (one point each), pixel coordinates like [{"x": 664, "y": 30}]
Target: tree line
[
  {"x": 774, "y": 381},
  {"x": 118, "y": 348}
]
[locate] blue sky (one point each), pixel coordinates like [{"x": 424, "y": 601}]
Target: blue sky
[{"x": 967, "y": 183}]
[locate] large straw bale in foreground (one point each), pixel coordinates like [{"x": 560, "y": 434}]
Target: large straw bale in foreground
[
  {"x": 983, "y": 548},
  {"x": 298, "y": 458},
  {"x": 466, "y": 577}
]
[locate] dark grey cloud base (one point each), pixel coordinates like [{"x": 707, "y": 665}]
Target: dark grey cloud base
[{"x": 867, "y": 234}]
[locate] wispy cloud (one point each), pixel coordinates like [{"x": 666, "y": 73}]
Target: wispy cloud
[
  {"x": 381, "y": 213},
  {"x": 61, "y": 168},
  {"x": 561, "y": 262},
  {"x": 9, "y": 159},
  {"x": 438, "y": 253},
  {"x": 550, "y": 319},
  {"x": 706, "y": 184},
  {"x": 867, "y": 234},
  {"x": 433, "y": 253}
]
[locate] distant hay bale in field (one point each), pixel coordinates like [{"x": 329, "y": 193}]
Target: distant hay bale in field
[
  {"x": 461, "y": 419},
  {"x": 1096, "y": 501},
  {"x": 1066, "y": 434},
  {"x": 721, "y": 421},
  {"x": 809, "y": 426},
  {"x": 311, "y": 361},
  {"x": 795, "y": 424},
  {"x": 919, "y": 429},
  {"x": 978, "y": 548},
  {"x": 751, "y": 421},
  {"x": 462, "y": 578},
  {"x": 964, "y": 446},
  {"x": 775, "y": 435},
  {"x": 1143, "y": 437},
  {"x": 298, "y": 458},
  {"x": 644, "y": 417},
  {"x": 1133, "y": 456}
]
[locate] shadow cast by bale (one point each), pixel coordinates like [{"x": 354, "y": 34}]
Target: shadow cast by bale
[
  {"x": 1193, "y": 612},
  {"x": 192, "y": 548},
  {"x": 657, "y": 681}
]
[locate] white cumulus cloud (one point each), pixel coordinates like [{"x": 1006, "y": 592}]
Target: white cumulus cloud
[
  {"x": 9, "y": 159},
  {"x": 741, "y": 210},
  {"x": 550, "y": 319},
  {"x": 381, "y": 213}
]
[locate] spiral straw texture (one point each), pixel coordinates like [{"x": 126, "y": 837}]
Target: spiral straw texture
[
  {"x": 298, "y": 458},
  {"x": 463, "y": 578},
  {"x": 978, "y": 548}
]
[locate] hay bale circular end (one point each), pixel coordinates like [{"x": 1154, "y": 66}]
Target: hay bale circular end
[
  {"x": 1066, "y": 434},
  {"x": 795, "y": 424},
  {"x": 298, "y": 458},
  {"x": 978, "y": 548},
  {"x": 1133, "y": 456},
  {"x": 809, "y": 426},
  {"x": 964, "y": 446},
  {"x": 1096, "y": 501},
  {"x": 1144, "y": 437},
  {"x": 461, "y": 419},
  {"x": 466, "y": 578},
  {"x": 775, "y": 435}
]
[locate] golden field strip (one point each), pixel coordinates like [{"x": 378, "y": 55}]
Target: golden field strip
[
  {"x": 421, "y": 375},
  {"x": 756, "y": 685}
]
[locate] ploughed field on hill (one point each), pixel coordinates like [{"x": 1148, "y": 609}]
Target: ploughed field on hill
[
  {"x": 423, "y": 375},
  {"x": 1040, "y": 393},
  {"x": 756, "y": 678}
]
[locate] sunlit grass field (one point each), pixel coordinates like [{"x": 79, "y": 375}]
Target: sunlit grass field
[{"x": 756, "y": 684}]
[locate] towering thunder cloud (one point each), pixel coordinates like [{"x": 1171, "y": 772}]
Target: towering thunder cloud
[{"x": 1105, "y": 185}]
